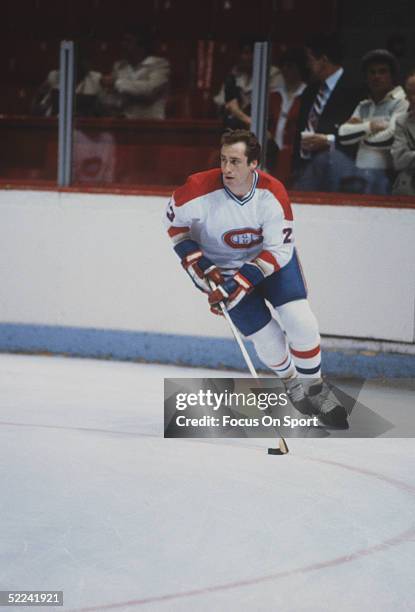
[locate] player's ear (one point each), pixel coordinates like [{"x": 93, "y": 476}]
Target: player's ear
[{"x": 254, "y": 164}]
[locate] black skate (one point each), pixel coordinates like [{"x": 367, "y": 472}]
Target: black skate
[
  {"x": 298, "y": 397},
  {"x": 327, "y": 407}
]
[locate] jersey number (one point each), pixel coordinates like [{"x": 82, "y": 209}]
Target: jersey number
[
  {"x": 287, "y": 235},
  {"x": 170, "y": 213}
]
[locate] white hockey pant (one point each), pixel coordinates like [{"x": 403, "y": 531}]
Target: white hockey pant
[{"x": 295, "y": 351}]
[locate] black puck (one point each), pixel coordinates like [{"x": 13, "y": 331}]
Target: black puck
[{"x": 274, "y": 451}]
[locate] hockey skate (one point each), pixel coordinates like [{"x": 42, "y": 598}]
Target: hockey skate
[
  {"x": 326, "y": 406},
  {"x": 298, "y": 397}
]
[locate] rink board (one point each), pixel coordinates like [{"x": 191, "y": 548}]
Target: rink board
[{"x": 93, "y": 273}]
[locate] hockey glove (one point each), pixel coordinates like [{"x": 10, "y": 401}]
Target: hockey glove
[
  {"x": 230, "y": 292},
  {"x": 201, "y": 271}
]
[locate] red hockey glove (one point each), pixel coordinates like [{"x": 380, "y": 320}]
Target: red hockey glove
[
  {"x": 230, "y": 292},
  {"x": 200, "y": 277}
]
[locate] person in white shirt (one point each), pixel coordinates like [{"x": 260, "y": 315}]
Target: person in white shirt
[
  {"x": 87, "y": 91},
  {"x": 138, "y": 85},
  {"x": 372, "y": 124},
  {"x": 235, "y": 96}
]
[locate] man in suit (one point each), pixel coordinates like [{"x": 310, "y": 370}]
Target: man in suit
[{"x": 319, "y": 161}]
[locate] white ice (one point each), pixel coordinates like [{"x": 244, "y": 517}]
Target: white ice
[{"x": 95, "y": 502}]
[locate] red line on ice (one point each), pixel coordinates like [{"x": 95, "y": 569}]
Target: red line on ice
[{"x": 358, "y": 554}]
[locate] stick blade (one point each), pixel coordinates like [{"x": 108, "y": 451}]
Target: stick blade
[{"x": 281, "y": 450}]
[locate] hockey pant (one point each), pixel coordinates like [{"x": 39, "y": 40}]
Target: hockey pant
[{"x": 293, "y": 345}]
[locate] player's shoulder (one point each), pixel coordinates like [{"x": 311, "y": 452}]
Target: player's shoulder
[
  {"x": 276, "y": 189},
  {"x": 198, "y": 185},
  {"x": 270, "y": 183}
]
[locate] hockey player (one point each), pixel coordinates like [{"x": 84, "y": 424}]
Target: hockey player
[{"x": 233, "y": 227}]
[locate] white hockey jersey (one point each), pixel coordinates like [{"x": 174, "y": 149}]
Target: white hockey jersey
[{"x": 232, "y": 231}]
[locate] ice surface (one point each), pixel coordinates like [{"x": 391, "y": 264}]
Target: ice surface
[{"x": 96, "y": 503}]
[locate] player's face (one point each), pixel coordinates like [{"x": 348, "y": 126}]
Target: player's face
[{"x": 236, "y": 171}]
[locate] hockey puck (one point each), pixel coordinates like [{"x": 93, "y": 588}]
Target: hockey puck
[{"x": 275, "y": 451}]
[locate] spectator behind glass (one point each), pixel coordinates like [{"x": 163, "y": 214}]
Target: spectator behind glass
[
  {"x": 325, "y": 104},
  {"x": 403, "y": 148},
  {"x": 137, "y": 87},
  {"x": 235, "y": 96},
  {"x": 372, "y": 124},
  {"x": 87, "y": 90},
  {"x": 284, "y": 108}
]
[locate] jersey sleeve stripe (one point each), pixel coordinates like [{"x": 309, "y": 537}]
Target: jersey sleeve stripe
[
  {"x": 267, "y": 258},
  {"x": 176, "y": 231}
]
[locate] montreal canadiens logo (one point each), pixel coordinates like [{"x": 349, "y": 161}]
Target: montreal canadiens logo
[{"x": 243, "y": 238}]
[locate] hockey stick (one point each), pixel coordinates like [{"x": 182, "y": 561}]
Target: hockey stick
[{"x": 283, "y": 447}]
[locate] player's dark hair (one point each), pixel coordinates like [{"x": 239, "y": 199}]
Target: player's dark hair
[
  {"x": 253, "y": 148},
  {"x": 381, "y": 56},
  {"x": 328, "y": 45}
]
